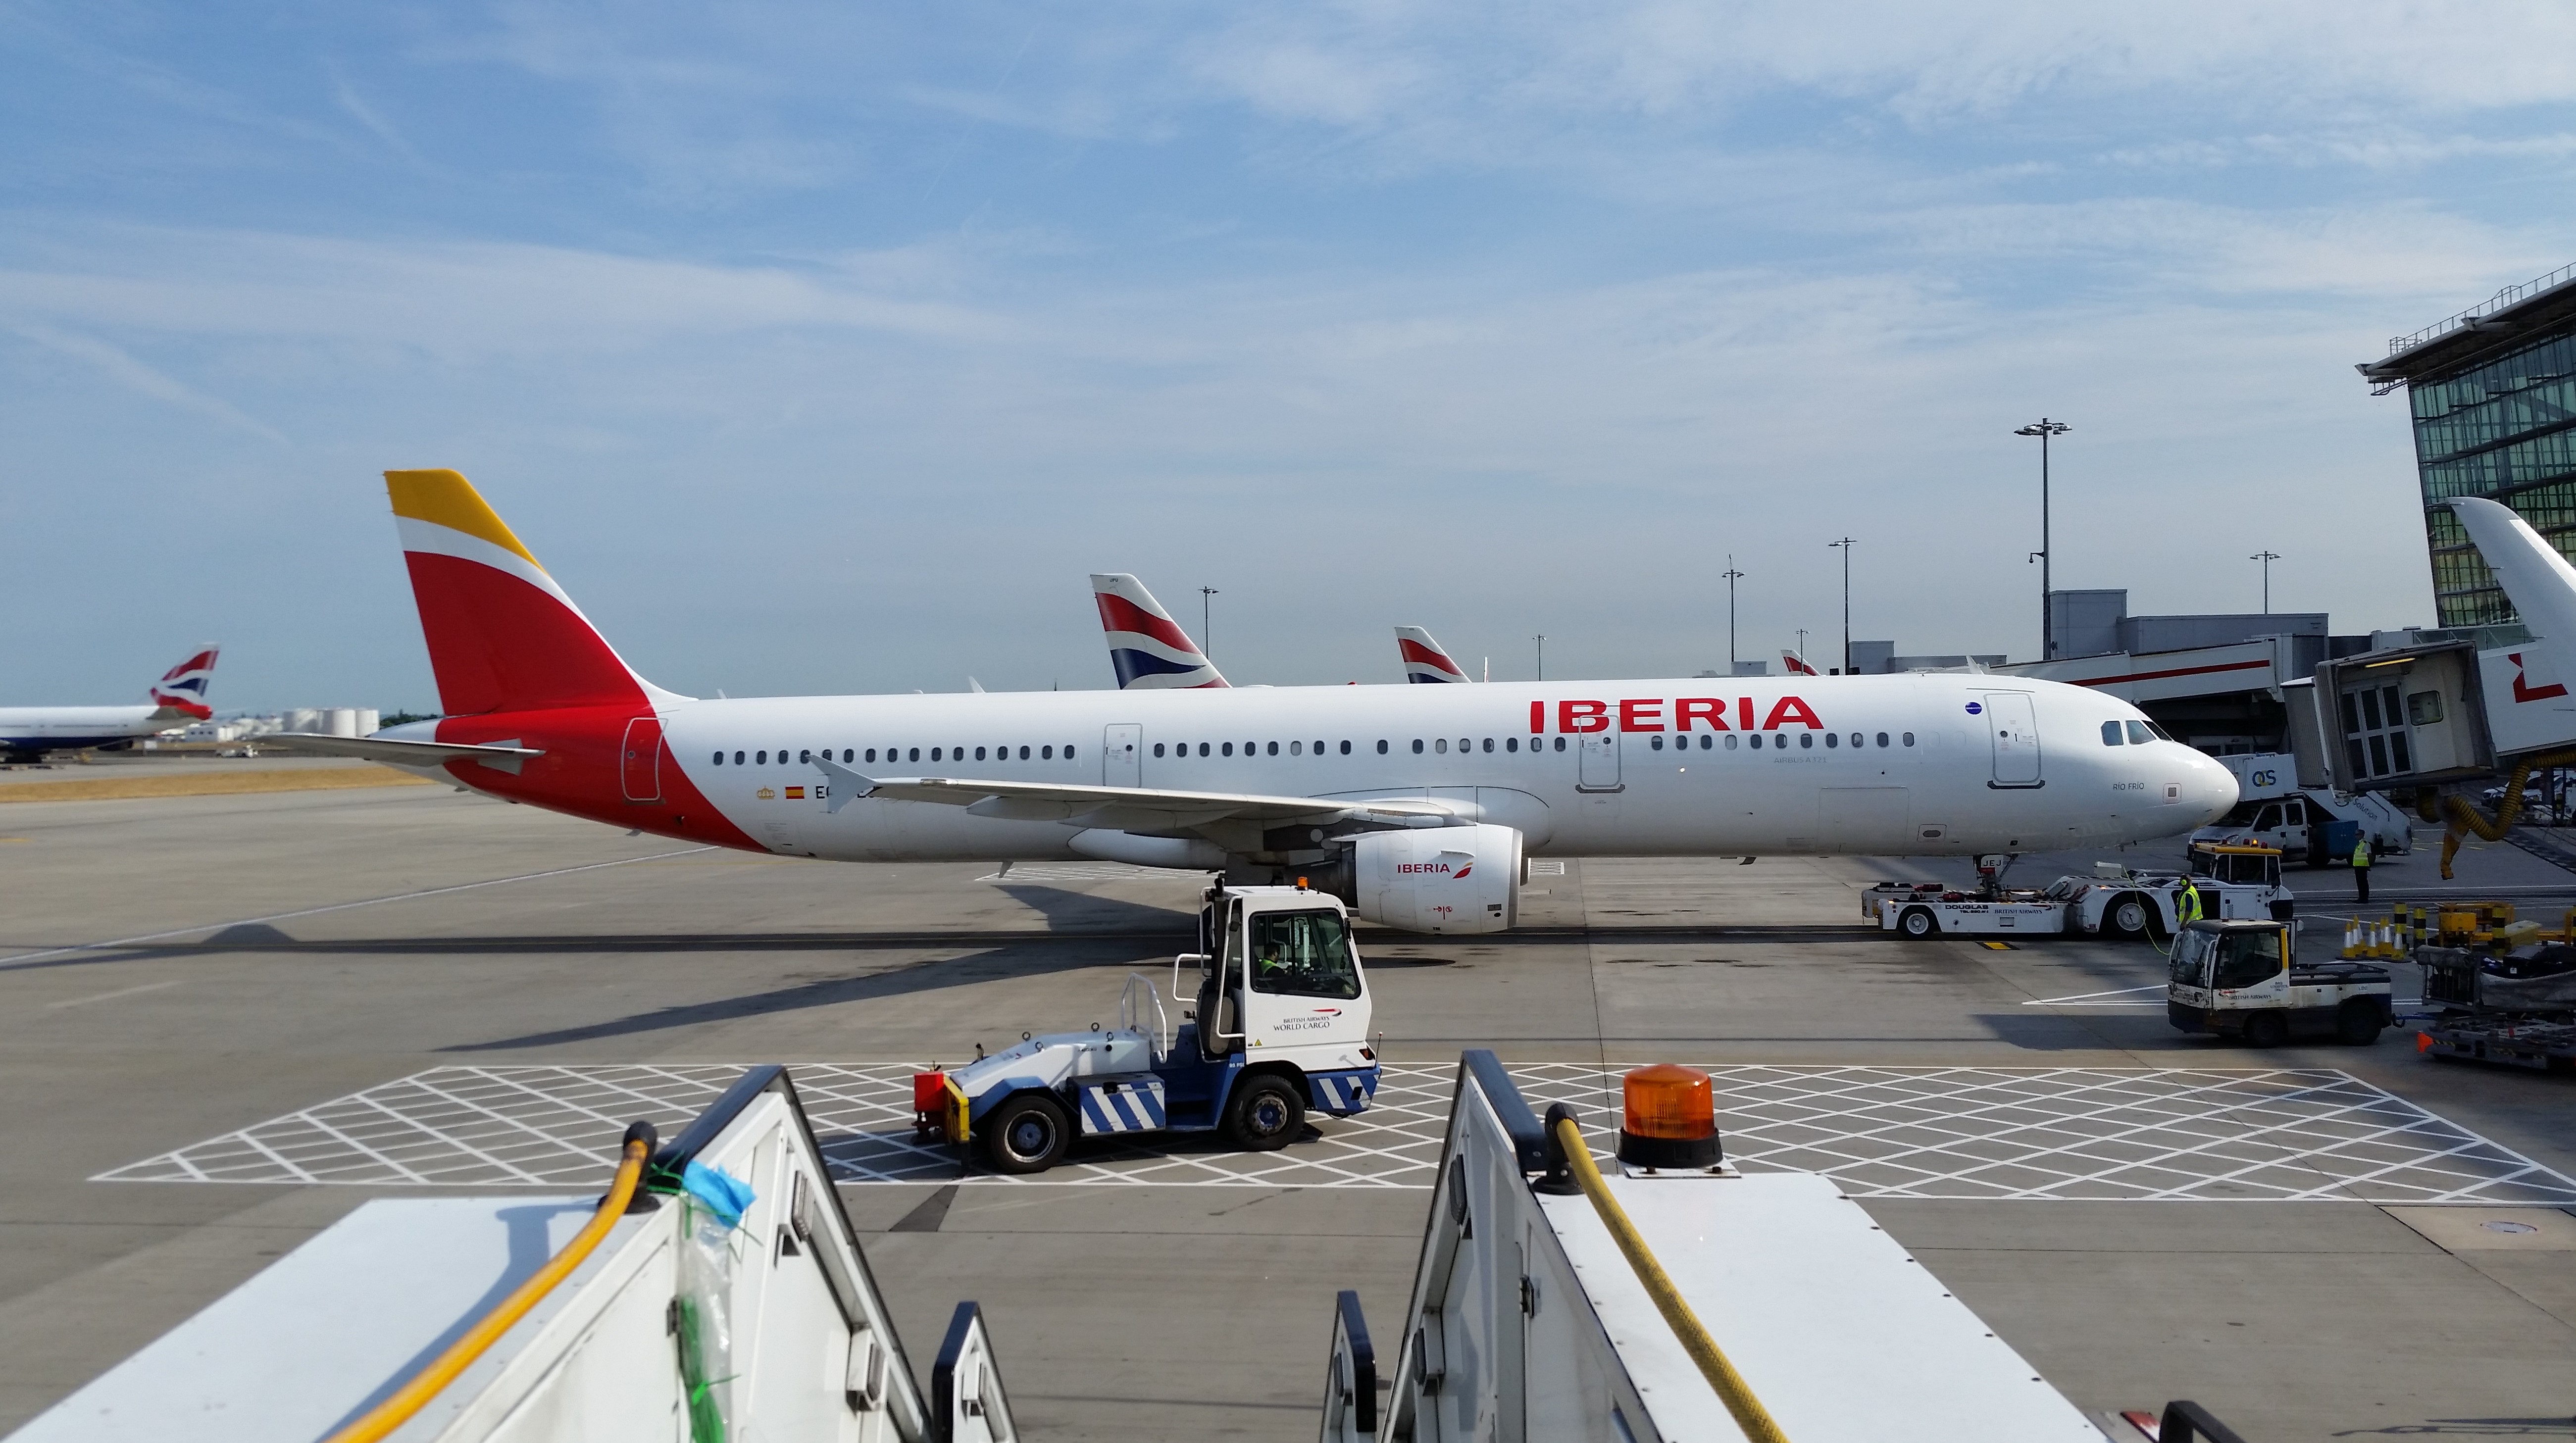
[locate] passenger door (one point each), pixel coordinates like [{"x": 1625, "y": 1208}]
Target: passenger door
[
  {"x": 1122, "y": 755},
  {"x": 640, "y": 768},
  {"x": 2015, "y": 731},
  {"x": 1600, "y": 766}
]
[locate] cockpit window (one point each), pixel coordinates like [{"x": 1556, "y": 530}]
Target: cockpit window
[
  {"x": 2140, "y": 734},
  {"x": 1303, "y": 954},
  {"x": 2110, "y": 734}
]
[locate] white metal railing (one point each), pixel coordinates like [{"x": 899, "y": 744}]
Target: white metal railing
[{"x": 2510, "y": 295}]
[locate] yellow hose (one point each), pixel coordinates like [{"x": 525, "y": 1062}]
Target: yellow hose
[
  {"x": 1747, "y": 1410},
  {"x": 413, "y": 1396},
  {"x": 2465, "y": 818}
]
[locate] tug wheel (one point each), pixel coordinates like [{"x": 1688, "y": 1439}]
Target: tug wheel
[
  {"x": 2357, "y": 1023},
  {"x": 2266, "y": 1029},
  {"x": 1028, "y": 1133},
  {"x": 1918, "y": 923},
  {"x": 2128, "y": 917},
  {"x": 1267, "y": 1114}
]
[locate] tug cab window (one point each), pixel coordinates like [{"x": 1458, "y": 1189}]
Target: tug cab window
[
  {"x": 1303, "y": 954},
  {"x": 2248, "y": 959}
]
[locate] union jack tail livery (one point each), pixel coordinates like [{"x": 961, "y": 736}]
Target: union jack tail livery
[
  {"x": 182, "y": 689},
  {"x": 1797, "y": 664},
  {"x": 502, "y": 635},
  {"x": 1148, "y": 648},
  {"x": 1424, "y": 661}
]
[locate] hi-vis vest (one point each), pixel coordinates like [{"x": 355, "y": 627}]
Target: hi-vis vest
[
  {"x": 2361, "y": 853},
  {"x": 2187, "y": 906}
]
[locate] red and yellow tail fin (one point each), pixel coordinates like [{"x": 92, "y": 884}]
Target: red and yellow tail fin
[{"x": 502, "y": 635}]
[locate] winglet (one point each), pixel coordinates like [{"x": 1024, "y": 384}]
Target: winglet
[
  {"x": 1424, "y": 661},
  {"x": 1148, "y": 648}
]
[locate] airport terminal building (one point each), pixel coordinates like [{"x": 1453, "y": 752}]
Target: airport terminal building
[{"x": 2493, "y": 392}]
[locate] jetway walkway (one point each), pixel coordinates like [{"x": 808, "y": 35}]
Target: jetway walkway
[
  {"x": 718, "y": 1292},
  {"x": 680, "y": 1322}
]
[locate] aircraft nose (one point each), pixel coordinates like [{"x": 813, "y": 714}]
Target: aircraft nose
[{"x": 2210, "y": 787}]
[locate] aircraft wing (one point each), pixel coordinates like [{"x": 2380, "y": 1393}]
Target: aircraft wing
[
  {"x": 1121, "y": 808},
  {"x": 505, "y": 755}
]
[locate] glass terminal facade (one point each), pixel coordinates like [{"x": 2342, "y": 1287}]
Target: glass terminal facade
[{"x": 2493, "y": 396}]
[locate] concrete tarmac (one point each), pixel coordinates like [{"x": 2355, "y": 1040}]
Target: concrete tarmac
[{"x": 171, "y": 970}]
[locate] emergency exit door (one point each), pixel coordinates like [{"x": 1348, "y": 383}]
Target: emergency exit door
[
  {"x": 2014, "y": 730},
  {"x": 640, "y": 767},
  {"x": 1122, "y": 755}
]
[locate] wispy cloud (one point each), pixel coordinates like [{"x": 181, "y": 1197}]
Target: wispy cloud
[{"x": 123, "y": 369}]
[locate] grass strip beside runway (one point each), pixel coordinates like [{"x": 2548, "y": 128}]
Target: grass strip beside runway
[{"x": 209, "y": 784}]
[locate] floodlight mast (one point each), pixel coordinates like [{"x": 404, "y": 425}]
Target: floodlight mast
[
  {"x": 2044, "y": 428},
  {"x": 2267, "y": 556}
]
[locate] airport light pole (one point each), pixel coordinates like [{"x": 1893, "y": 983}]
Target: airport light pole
[
  {"x": 2044, "y": 428},
  {"x": 1844, "y": 546},
  {"x": 2267, "y": 557},
  {"x": 1732, "y": 576},
  {"x": 1207, "y": 627}
]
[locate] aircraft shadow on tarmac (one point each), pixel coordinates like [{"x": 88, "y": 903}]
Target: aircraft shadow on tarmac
[{"x": 1029, "y": 957}]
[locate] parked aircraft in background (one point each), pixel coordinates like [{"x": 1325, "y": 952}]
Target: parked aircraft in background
[
  {"x": 1424, "y": 660},
  {"x": 1148, "y": 649},
  {"x": 178, "y": 698},
  {"x": 1418, "y": 804}
]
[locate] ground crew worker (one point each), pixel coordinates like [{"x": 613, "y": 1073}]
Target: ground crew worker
[
  {"x": 2187, "y": 906},
  {"x": 2361, "y": 868}
]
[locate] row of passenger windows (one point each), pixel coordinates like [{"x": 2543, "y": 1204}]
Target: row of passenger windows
[
  {"x": 2139, "y": 733},
  {"x": 1437, "y": 745},
  {"x": 1781, "y": 739},
  {"x": 898, "y": 754},
  {"x": 1442, "y": 745}
]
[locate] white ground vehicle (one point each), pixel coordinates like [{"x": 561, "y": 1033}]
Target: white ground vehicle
[
  {"x": 1282, "y": 1026},
  {"x": 2115, "y": 902},
  {"x": 2276, "y": 812},
  {"x": 2244, "y": 979}
]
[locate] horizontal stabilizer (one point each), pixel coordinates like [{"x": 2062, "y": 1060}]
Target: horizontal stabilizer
[{"x": 501, "y": 755}]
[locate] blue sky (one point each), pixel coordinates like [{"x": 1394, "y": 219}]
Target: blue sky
[{"x": 826, "y": 348}]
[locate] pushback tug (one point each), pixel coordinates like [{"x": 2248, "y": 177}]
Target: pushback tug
[{"x": 1281, "y": 1026}]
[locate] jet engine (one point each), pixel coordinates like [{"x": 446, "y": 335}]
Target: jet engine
[{"x": 1438, "y": 879}]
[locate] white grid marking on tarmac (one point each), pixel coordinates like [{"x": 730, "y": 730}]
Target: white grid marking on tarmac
[{"x": 2195, "y": 1134}]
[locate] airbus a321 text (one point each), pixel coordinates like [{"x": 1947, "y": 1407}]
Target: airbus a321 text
[{"x": 1417, "y": 804}]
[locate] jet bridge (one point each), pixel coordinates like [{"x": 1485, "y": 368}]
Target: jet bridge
[
  {"x": 1664, "y": 1296},
  {"x": 717, "y": 1292}
]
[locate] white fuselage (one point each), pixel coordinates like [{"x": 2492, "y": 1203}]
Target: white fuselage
[
  {"x": 66, "y": 728},
  {"x": 1914, "y": 764}
]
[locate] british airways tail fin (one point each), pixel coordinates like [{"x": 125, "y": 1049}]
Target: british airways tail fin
[
  {"x": 2537, "y": 578},
  {"x": 182, "y": 688},
  {"x": 1148, "y": 648},
  {"x": 502, "y": 635},
  {"x": 1424, "y": 660}
]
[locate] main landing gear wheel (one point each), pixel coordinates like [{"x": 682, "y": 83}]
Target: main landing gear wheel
[
  {"x": 2357, "y": 1023},
  {"x": 1918, "y": 923},
  {"x": 1029, "y": 1133},
  {"x": 2128, "y": 917},
  {"x": 2266, "y": 1029},
  {"x": 1266, "y": 1115}
]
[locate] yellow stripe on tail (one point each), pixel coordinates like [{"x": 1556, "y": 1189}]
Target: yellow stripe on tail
[{"x": 445, "y": 498}]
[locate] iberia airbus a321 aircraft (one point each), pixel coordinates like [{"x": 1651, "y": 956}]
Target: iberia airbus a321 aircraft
[{"x": 1417, "y": 803}]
